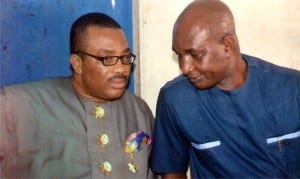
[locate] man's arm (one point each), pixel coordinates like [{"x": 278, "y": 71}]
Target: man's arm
[{"x": 174, "y": 176}]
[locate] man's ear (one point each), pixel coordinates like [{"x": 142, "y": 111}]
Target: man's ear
[
  {"x": 76, "y": 63},
  {"x": 229, "y": 43}
]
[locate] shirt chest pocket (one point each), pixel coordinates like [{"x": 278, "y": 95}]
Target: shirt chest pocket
[
  {"x": 287, "y": 147},
  {"x": 209, "y": 155},
  {"x": 206, "y": 150}
]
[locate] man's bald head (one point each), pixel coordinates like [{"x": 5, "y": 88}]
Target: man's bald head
[
  {"x": 211, "y": 15},
  {"x": 205, "y": 42}
]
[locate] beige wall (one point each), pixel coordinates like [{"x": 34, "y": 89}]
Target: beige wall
[{"x": 266, "y": 28}]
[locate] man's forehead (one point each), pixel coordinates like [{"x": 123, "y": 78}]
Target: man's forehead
[{"x": 190, "y": 31}]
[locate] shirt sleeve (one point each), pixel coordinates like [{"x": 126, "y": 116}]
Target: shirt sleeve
[{"x": 170, "y": 153}]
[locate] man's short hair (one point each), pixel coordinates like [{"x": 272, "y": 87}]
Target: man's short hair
[{"x": 91, "y": 19}]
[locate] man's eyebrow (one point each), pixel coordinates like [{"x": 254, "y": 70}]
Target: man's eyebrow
[
  {"x": 109, "y": 51},
  {"x": 190, "y": 50},
  {"x": 195, "y": 50}
]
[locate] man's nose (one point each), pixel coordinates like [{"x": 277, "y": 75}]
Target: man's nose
[{"x": 186, "y": 65}]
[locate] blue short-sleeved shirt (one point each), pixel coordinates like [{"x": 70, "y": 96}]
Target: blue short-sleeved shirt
[{"x": 252, "y": 131}]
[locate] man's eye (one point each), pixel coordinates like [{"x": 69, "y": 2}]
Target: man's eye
[
  {"x": 108, "y": 58},
  {"x": 197, "y": 56},
  {"x": 126, "y": 57}
]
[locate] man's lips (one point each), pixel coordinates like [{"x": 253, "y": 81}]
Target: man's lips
[
  {"x": 118, "y": 82},
  {"x": 196, "y": 79}
]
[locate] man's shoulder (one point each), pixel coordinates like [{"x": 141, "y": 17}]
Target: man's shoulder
[
  {"x": 273, "y": 76},
  {"x": 37, "y": 85},
  {"x": 268, "y": 67}
]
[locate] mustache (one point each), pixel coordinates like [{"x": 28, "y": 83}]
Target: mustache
[{"x": 118, "y": 76}]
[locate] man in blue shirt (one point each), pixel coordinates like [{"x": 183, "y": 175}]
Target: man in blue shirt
[{"x": 228, "y": 115}]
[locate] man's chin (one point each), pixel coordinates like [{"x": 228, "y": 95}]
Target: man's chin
[
  {"x": 202, "y": 86},
  {"x": 116, "y": 94}
]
